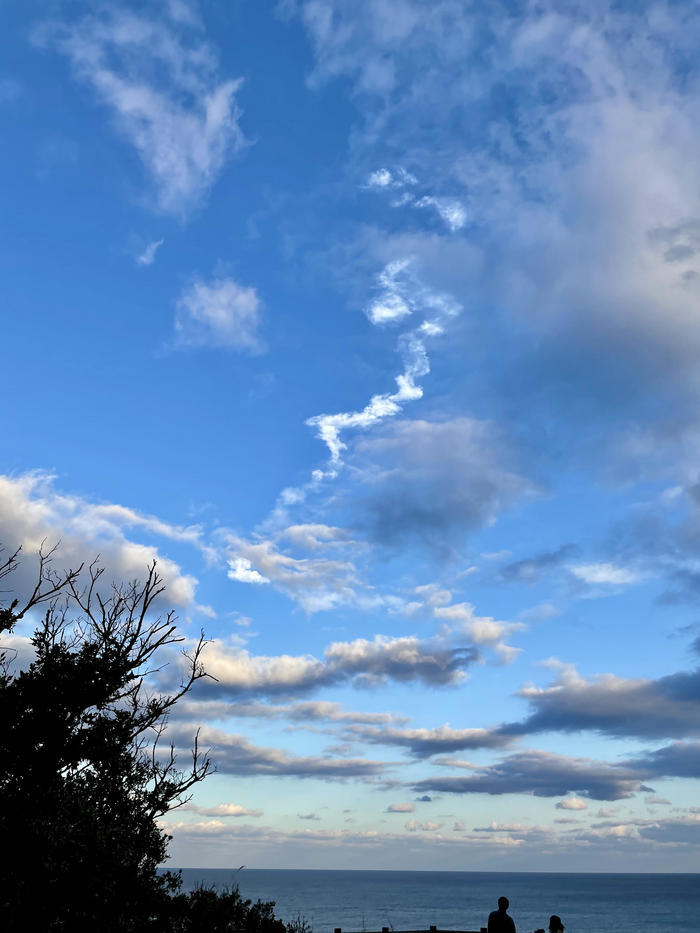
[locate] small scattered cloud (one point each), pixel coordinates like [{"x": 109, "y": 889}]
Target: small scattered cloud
[
  {"x": 148, "y": 256},
  {"x": 604, "y": 574},
  {"x": 413, "y": 826},
  {"x": 226, "y": 809},
  {"x": 219, "y": 313},
  {"x": 400, "y": 808},
  {"x": 572, "y": 803}
]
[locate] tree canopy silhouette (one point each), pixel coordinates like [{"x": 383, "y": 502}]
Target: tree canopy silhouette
[{"x": 83, "y": 774}]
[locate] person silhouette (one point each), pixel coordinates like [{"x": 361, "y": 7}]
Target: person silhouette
[
  {"x": 499, "y": 920},
  {"x": 555, "y": 924}
]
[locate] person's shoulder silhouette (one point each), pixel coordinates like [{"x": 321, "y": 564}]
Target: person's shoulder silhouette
[{"x": 499, "y": 920}]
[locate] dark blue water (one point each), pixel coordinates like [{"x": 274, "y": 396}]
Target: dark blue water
[{"x": 413, "y": 900}]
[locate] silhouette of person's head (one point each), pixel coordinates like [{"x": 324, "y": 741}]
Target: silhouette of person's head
[
  {"x": 555, "y": 924},
  {"x": 503, "y": 904}
]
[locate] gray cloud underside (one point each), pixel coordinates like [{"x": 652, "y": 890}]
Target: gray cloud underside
[
  {"x": 362, "y": 662},
  {"x": 542, "y": 774},
  {"x": 422, "y": 743},
  {"x": 234, "y": 754},
  {"x": 308, "y": 711},
  {"x": 668, "y": 707},
  {"x": 434, "y": 481},
  {"x": 532, "y": 569}
]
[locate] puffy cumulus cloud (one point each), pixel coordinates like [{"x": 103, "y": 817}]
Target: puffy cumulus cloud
[
  {"x": 422, "y": 743},
  {"x": 581, "y": 182},
  {"x": 219, "y": 313},
  {"x": 435, "y": 481},
  {"x": 403, "y": 659},
  {"x": 667, "y": 707},
  {"x": 429, "y": 826},
  {"x": 363, "y": 662},
  {"x": 461, "y": 620},
  {"x": 235, "y": 754},
  {"x": 541, "y": 774},
  {"x": 159, "y": 77},
  {"x": 33, "y": 512},
  {"x": 572, "y": 803},
  {"x": 314, "y": 537},
  {"x": 400, "y": 808}
]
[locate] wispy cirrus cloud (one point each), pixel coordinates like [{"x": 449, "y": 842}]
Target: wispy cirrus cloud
[
  {"x": 148, "y": 256},
  {"x": 450, "y": 210},
  {"x": 402, "y": 293},
  {"x": 159, "y": 77}
]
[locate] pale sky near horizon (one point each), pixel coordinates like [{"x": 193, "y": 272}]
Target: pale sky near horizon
[{"x": 376, "y": 322}]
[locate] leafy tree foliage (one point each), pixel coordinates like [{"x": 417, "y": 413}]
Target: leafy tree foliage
[{"x": 83, "y": 778}]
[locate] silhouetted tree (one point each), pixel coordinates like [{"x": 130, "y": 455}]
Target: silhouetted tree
[{"x": 83, "y": 778}]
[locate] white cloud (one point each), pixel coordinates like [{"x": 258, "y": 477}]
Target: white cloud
[
  {"x": 400, "y": 808},
  {"x": 148, "y": 256},
  {"x": 605, "y": 574},
  {"x": 314, "y": 537},
  {"x": 581, "y": 185},
  {"x": 482, "y": 630},
  {"x": 160, "y": 80},
  {"x": 33, "y": 511},
  {"x": 317, "y": 583},
  {"x": 572, "y": 803},
  {"x": 226, "y": 809},
  {"x": 363, "y": 662},
  {"x": 401, "y": 290},
  {"x": 450, "y": 210},
  {"x": 241, "y": 569},
  {"x": 219, "y": 313}
]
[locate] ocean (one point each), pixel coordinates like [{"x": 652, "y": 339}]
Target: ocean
[{"x": 415, "y": 900}]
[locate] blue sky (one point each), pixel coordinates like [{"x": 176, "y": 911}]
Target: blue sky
[{"x": 376, "y": 323}]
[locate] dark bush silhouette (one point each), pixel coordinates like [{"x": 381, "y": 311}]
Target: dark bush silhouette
[{"x": 83, "y": 779}]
